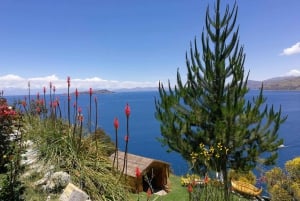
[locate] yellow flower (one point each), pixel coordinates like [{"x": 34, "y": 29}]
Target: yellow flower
[
  {"x": 211, "y": 149},
  {"x": 194, "y": 157}
]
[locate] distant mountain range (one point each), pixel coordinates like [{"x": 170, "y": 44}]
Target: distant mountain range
[{"x": 277, "y": 83}]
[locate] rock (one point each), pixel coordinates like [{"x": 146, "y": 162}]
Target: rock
[
  {"x": 73, "y": 193},
  {"x": 54, "y": 182}
]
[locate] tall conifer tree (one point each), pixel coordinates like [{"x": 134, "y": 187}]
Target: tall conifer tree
[{"x": 209, "y": 111}]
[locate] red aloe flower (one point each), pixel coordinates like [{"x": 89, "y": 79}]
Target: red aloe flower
[
  {"x": 127, "y": 110},
  {"x": 44, "y": 89},
  {"x": 54, "y": 104},
  {"x": 76, "y": 93},
  {"x": 206, "y": 179},
  {"x": 38, "y": 110},
  {"x": 116, "y": 123},
  {"x": 149, "y": 193},
  {"x": 80, "y": 118},
  {"x": 50, "y": 86},
  {"x": 11, "y": 112},
  {"x": 126, "y": 138},
  {"x": 54, "y": 89},
  {"x": 137, "y": 172},
  {"x": 91, "y": 91},
  {"x": 38, "y": 95},
  {"x": 190, "y": 188},
  {"x": 68, "y": 81},
  {"x": 24, "y": 103}
]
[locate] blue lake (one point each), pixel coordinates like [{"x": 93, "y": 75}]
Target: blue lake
[{"x": 144, "y": 128}]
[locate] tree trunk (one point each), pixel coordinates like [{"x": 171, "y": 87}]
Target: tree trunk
[{"x": 226, "y": 183}]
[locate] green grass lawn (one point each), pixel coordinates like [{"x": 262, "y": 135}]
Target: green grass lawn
[{"x": 180, "y": 193}]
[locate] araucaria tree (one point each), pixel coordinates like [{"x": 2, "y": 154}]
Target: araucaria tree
[{"x": 208, "y": 119}]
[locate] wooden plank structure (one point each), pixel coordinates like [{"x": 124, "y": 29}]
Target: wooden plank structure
[{"x": 158, "y": 170}]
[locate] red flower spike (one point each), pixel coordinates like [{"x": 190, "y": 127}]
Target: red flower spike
[
  {"x": 38, "y": 95},
  {"x": 206, "y": 179},
  {"x": 80, "y": 118},
  {"x": 127, "y": 110},
  {"x": 54, "y": 89},
  {"x": 76, "y": 93},
  {"x": 91, "y": 91},
  {"x": 68, "y": 81},
  {"x": 149, "y": 193},
  {"x": 54, "y": 104},
  {"x": 190, "y": 188},
  {"x": 126, "y": 138},
  {"x": 79, "y": 110},
  {"x": 24, "y": 103},
  {"x": 137, "y": 172},
  {"x": 50, "y": 85},
  {"x": 44, "y": 89},
  {"x": 116, "y": 123}
]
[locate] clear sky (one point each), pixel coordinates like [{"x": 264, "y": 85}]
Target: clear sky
[{"x": 129, "y": 43}]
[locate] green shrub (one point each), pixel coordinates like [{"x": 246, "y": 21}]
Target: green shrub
[
  {"x": 285, "y": 185},
  {"x": 247, "y": 176}
]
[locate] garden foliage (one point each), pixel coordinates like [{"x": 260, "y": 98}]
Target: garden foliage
[{"x": 285, "y": 184}]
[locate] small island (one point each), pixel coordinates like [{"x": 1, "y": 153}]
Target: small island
[{"x": 98, "y": 91}]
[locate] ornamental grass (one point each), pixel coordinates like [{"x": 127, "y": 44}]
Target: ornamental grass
[{"x": 88, "y": 164}]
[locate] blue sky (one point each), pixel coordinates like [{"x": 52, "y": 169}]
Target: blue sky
[{"x": 123, "y": 44}]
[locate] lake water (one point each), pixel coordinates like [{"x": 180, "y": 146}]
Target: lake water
[{"x": 144, "y": 128}]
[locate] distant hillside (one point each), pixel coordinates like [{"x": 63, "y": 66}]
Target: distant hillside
[
  {"x": 278, "y": 83},
  {"x": 137, "y": 89}
]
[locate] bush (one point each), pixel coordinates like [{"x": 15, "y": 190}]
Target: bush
[
  {"x": 247, "y": 176},
  {"x": 7, "y": 118},
  {"x": 285, "y": 184},
  {"x": 11, "y": 188}
]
